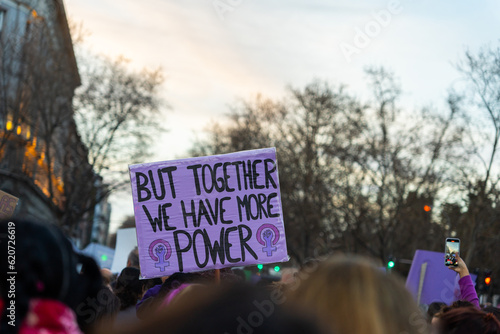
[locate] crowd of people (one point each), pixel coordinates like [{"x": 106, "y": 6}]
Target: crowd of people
[{"x": 58, "y": 290}]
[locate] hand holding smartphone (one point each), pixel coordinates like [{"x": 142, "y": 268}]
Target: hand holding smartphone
[{"x": 452, "y": 248}]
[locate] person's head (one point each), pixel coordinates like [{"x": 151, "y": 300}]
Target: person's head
[
  {"x": 466, "y": 320},
  {"x": 231, "y": 308},
  {"x": 128, "y": 287},
  {"x": 494, "y": 310},
  {"x": 434, "y": 308},
  {"x": 354, "y": 296},
  {"x": 149, "y": 283},
  {"x": 446, "y": 308},
  {"x": 461, "y": 303},
  {"x": 133, "y": 258},
  {"x": 47, "y": 268},
  {"x": 177, "y": 279},
  {"x": 100, "y": 312}
]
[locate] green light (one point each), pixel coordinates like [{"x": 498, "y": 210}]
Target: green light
[
  {"x": 260, "y": 266},
  {"x": 390, "y": 264},
  {"x": 277, "y": 268},
  {"x": 104, "y": 257}
]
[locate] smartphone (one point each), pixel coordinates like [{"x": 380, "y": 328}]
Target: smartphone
[{"x": 451, "y": 249}]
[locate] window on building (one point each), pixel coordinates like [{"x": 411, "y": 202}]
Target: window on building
[{"x": 2, "y": 16}]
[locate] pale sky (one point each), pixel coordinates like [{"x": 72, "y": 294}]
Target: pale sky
[{"x": 214, "y": 52}]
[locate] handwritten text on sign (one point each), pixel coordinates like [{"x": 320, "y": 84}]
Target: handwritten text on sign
[{"x": 208, "y": 212}]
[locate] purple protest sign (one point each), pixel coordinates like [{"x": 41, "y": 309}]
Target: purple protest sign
[
  {"x": 209, "y": 212},
  {"x": 429, "y": 280}
]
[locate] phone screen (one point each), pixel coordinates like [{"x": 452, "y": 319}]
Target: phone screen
[{"x": 451, "y": 249}]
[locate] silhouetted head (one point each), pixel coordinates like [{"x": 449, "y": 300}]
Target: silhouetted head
[
  {"x": 466, "y": 320},
  {"x": 231, "y": 308},
  {"x": 47, "y": 267},
  {"x": 354, "y": 296},
  {"x": 434, "y": 308},
  {"x": 128, "y": 287}
]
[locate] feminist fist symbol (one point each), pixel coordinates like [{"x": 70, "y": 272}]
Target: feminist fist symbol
[
  {"x": 265, "y": 237},
  {"x": 160, "y": 250},
  {"x": 163, "y": 251}
]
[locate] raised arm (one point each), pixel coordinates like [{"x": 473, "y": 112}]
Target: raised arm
[{"x": 467, "y": 290}]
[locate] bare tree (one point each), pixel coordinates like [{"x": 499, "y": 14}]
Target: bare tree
[
  {"x": 354, "y": 176},
  {"x": 397, "y": 167},
  {"x": 117, "y": 112},
  {"x": 479, "y": 178},
  {"x": 38, "y": 75},
  {"x": 307, "y": 127}
]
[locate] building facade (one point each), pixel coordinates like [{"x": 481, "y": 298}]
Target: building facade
[{"x": 42, "y": 159}]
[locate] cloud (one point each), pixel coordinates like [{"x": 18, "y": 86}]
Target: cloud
[{"x": 261, "y": 46}]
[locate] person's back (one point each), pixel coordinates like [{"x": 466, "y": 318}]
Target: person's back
[{"x": 128, "y": 289}]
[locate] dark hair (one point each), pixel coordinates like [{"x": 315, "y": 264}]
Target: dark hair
[
  {"x": 230, "y": 308},
  {"x": 99, "y": 312},
  {"x": 46, "y": 267},
  {"x": 492, "y": 309},
  {"x": 461, "y": 303},
  {"x": 177, "y": 279},
  {"x": 456, "y": 304},
  {"x": 128, "y": 287},
  {"x": 468, "y": 320},
  {"x": 151, "y": 282},
  {"x": 151, "y": 304},
  {"x": 434, "y": 307}
]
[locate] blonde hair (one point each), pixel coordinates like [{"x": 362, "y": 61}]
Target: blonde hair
[{"x": 353, "y": 296}]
